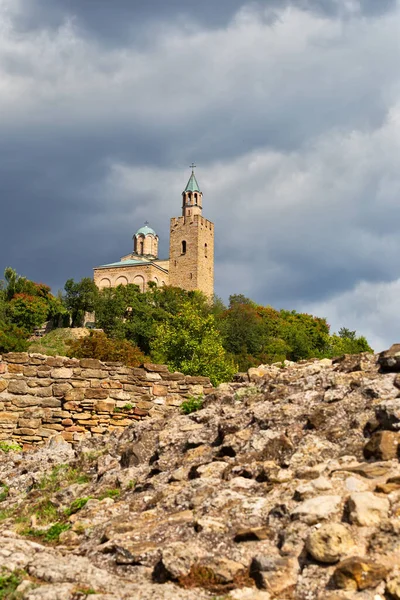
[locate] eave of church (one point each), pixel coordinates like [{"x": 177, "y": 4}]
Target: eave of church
[{"x": 133, "y": 263}]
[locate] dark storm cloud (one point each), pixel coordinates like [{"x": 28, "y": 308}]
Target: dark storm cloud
[
  {"x": 121, "y": 20},
  {"x": 287, "y": 114}
]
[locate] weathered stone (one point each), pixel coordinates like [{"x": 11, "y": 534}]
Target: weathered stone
[
  {"x": 30, "y": 371},
  {"x": 25, "y": 401},
  {"x": 393, "y": 588},
  {"x": 8, "y": 417},
  {"x": 44, "y": 392},
  {"x": 317, "y": 509},
  {"x": 18, "y": 386},
  {"x": 16, "y": 357},
  {"x": 389, "y": 360},
  {"x": 160, "y": 390},
  {"x": 96, "y": 393},
  {"x": 61, "y": 373},
  {"x": 359, "y": 573},
  {"x": 3, "y": 385},
  {"x": 329, "y": 543},
  {"x": 156, "y": 368},
  {"x": 60, "y": 389},
  {"x": 105, "y": 406},
  {"x": 75, "y": 395},
  {"x": 30, "y": 423},
  {"x": 90, "y": 363},
  {"x": 366, "y": 509},
  {"x": 383, "y": 445}
]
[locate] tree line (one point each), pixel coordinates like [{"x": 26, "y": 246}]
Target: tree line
[{"x": 184, "y": 330}]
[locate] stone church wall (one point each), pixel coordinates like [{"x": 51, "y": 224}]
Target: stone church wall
[{"x": 41, "y": 396}]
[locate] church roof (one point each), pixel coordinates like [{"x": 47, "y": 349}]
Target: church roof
[
  {"x": 133, "y": 263},
  {"x": 146, "y": 230},
  {"x": 192, "y": 185}
]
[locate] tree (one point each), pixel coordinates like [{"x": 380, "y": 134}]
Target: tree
[
  {"x": 190, "y": 342},
  {"x": 79, "y": 298},
  {"x": 98, "y": 345}
]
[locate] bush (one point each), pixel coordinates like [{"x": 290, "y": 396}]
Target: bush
[
  {"x": 192, "y": 404},
  {"x": 98, "y": 345}
]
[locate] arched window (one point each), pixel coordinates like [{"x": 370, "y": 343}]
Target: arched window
[
  {"x": 188, "y": 213},
  {"x": 195, "y": 199},
  {"x": 205, "y": 250},
  {"x": 141, "y": 247},
  {"x": 183, "y": 250},
  {"x": 175, "y": 263},
  {"x": 191, "y": 275}
]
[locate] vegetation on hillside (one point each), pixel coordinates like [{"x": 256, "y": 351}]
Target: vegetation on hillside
[{"x": 182, "y": 329}]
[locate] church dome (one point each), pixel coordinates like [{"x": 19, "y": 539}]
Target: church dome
[{"x": 146, "y": 230}]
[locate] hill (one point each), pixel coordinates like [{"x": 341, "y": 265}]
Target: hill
[
  {"x": 54, "y": 343},
  {"x": 286, "y": 484}
]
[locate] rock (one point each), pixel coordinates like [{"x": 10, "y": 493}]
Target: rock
[
  {"x": 317, "y": 509},
  {"x": 316, "y": 486},
  {"x": 383, "y": 445},
  {"x": 388, "y": 414},
  {"x": 367, "y": 509},
  {"x": 329, "y": 543},
  {"x": 359, "y": 574},
  {"x": 389, "y": 360},
  {"x": 393, "y": 588},
  {"x": 249, "y": 594},
  {"x": 277, "y": 575}
]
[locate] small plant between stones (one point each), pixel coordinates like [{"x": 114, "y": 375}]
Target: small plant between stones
[{"x": 192, "y": 404}]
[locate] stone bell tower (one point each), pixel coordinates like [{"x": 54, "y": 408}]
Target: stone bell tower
[{"x": 191, "y": 255}]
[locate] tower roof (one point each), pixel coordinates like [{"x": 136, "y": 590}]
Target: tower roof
[
  {"x": 192, "y": 185},
  {"x": 146, "y": 230}
]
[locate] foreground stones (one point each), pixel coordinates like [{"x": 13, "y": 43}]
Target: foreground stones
[{"x": 285, "y": 486}]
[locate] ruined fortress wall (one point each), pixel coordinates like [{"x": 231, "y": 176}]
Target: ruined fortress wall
[{"x": 41, "y": 396}]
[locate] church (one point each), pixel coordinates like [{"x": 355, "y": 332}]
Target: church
[{"x": 191, "y": 252}]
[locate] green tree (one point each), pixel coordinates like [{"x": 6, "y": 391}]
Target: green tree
[
  {"x": 190, "y": 342},
  {"x": 80, "y": 297}
]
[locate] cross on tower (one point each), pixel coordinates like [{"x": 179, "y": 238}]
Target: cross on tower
[
  {"x": 146, "y": 223},
  {"x": 193, "y": 166}
]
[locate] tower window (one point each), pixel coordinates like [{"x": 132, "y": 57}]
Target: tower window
[
  {"x": 191, "y": 275},
  {"x": 141, "y": 247},
  {"x": 183, "y": 250},
  {"x": 195, "y": 199},
  {"x": 205, "y": 250}
]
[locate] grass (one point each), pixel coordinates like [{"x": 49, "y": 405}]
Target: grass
[
  {"x": 10, "y": 447},
  {"x": 76, "y": 506},
  {"x": 9, "y": 581},
  {"x": 61, "y": 474},
  {"x": 114, "y": 493},
  {"x": 54, "y": 343},
  {"x": 3, "y": 492},
  {"x": 192, "y": 404},
  {"x": 51, "y": 534}
]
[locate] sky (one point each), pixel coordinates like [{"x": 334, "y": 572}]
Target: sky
[{"x": 289, "y": 108}]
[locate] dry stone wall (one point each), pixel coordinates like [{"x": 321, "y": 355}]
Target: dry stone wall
[{"x": 41, "y": 396}]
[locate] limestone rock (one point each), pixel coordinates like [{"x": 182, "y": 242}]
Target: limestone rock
[
  {"x": 329, "y": 543},
  {"x": 389, "y": 360},
  {"x": 383, "y": 445},
  {"x": 317, "y": 509},
  {"x": 367, "y": 509},
  {"x": 359, "y": 574}
]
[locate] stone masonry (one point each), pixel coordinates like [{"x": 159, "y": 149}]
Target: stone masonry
[{"x": 41, "y": 396}]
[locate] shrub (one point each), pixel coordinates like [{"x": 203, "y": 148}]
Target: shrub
[
  {"x": 98, "y": 345},
  {"x": 192, "y": 404},
  {"x": 10, "y": 447},
  {"x": 9, "y": 581}
]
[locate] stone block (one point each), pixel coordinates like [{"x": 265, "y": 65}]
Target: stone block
[
  {"x": 383, "y": 445},
  {"x": 29, "y": 423},
  {"x": 16, "y": 357},
  {"x": 105, "y": 406},
  {"x": 134, "y": 389},
  {"x": 153, "y": 376},
  {"x": 61, "y": 373},
  {"x": 73, "y": 405},
  {"x": 3, "y": 367},
  {"x": 60, "y": 389},
  {"x": 197, "y": 380},
  {"x": 160, "y": 390},
  {"x": 8, "y": 417},
  {"x": 12, "y": 368},
  {"x": 51, "y": 403},
  {"x": 54, "y": 361},
  {"x": 25, "y": 401},
  {"x": 156, "y": 368},
  {"x": 75, "y": 395},
  {"x": 74, "y": 429},
  {"x": 46, "y": 433},
  {"x": 96, "y": 393},
  {"x": 90, "y": 363},
  {"x": 120, "y": 395},
  {"x": 141, "y": 373},
  {"x": 68, "y": 436},
  {"x": 111, "y": 385},
  {"x": 54, "y": 427},
  {"x": 366, "y": 509},
  {"x": 93, "y": 374},
  {"x": 67, "y": 422},
  {"x": 44, "y": 392},
  {"x": 43, "y": 371},
  {"x": 30, "y": 371},
  {"x": 3, "y": 385},
  {"x": 25, "y": 431}
]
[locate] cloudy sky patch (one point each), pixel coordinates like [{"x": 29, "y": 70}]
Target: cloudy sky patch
[{"x": 290, "y": 109}]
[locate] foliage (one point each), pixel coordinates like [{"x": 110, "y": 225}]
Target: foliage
[
  {"x": 192, "y": 404},
  {"x": 10, "y": 446},
  {"x": 98, "y": 345},
  {"x": 12, "y": 338},
  {"x": 76, "y": 506},
  {"x": 346, "y": 342},
  {"x": 51, "y": 534},
  {"x": 53, "y": 343},
  {"x": 9, "y": 581},
  {"x": 190, "y": 342},
  {"x": 3, "y": 492},
  {"x": 113, "y": 493},
  {"x": 80, "y": 297}
]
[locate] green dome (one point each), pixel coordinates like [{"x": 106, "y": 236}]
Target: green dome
[{"x": 146, "y": 230}]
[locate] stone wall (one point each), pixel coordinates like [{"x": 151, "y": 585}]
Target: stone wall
[{"x": 41, "y": 396}]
